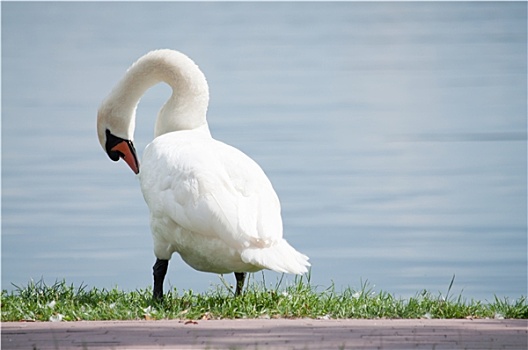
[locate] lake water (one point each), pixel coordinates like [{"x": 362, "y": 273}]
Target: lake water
[{"x": 394, "y": 134}]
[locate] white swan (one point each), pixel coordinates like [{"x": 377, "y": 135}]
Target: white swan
[{"x": 208, "y": 201}]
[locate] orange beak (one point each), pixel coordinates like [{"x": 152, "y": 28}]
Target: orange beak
[{"x": 127, "y": 152}]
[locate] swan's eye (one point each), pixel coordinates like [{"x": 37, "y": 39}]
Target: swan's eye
[{"x": 114, "y": 155}]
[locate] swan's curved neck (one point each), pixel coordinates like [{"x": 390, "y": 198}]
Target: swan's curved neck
[{"x": 186, "y": 108}]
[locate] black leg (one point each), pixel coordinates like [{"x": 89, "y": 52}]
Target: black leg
[
  {"x": 240, "y": 278},
  {"x": 160, "y": 270}
]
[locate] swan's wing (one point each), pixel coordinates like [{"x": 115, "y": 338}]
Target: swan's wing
[{"x": 212, "y": 189}]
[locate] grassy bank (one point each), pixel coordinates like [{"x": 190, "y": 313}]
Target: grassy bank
[{"x": 64, "y": 302}]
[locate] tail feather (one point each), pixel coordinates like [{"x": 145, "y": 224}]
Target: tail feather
[{"x": 281, "y": 257}]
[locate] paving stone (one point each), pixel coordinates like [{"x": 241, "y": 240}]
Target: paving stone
[{"x": 268, "y": 334}]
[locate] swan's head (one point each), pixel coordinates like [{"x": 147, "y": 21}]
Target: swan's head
[
  {"x": 185, "y": 110},
  {"x": 115, "y": 137}
]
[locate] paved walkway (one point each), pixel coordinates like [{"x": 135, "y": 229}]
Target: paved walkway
[{"x": 268, "y": 334}]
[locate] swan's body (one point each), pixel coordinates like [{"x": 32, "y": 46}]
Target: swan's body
[{"x": 208, "y": 201}]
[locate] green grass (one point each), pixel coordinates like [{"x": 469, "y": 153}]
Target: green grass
[{"x": 61, "y": 301}]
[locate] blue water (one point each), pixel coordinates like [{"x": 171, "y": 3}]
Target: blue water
[{"x": 394, "y": 134}]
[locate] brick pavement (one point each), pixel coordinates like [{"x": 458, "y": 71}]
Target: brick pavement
[{"x": 268, "y": 334}]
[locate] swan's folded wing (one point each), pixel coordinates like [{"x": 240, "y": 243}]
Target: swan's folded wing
[
  {"x": 215, "y": 190},
  {"x": 248, "y": 214}
]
